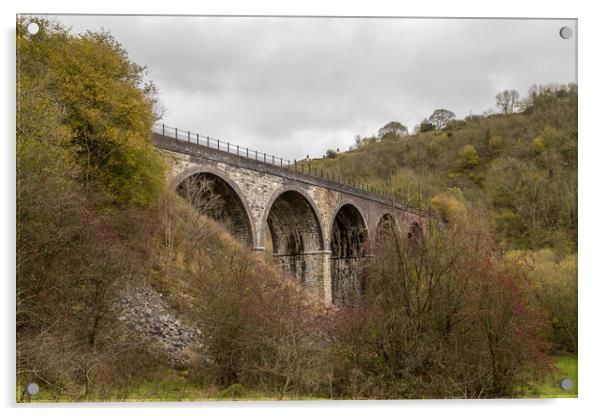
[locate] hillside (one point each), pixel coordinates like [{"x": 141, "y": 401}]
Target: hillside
[
  {"x": 121, "y": 283},
  {"x": 514, "y": 175},
  {"x": 517, "y": 173}
]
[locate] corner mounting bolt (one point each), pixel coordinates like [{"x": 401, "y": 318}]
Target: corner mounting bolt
[
  {"x": 566, "y": 384},
  {"x": 32, "y": 389},
  {"x": 32, "y": 28},
  {"x": 566, "y": 32}
]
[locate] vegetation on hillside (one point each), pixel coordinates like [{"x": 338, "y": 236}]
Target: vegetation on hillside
[
  {"x": 86, "y": 178},
  {"x": 445, "y": 315},
  {"x": 94, "y": 218},
  {"x": 517, "y": 170},
  {"x": 514, "y": 174}
]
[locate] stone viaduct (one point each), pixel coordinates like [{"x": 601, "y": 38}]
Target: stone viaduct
[{"x": 316, "y": 229}]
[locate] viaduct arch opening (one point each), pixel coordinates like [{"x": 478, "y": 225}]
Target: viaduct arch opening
[
  {"x": 385, "y": 231},
  {"x": 348, "y": 241},
  {"x": 213, "y": 196},
  {"x": 294, "y": 233},
  {"x": 415, "y": 235},
  {"x": 415, "y": 231}
]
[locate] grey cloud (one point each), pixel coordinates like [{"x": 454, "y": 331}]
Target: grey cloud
[{"x": 295, "y": 86}]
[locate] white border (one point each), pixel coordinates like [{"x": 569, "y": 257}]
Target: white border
[{"x": 590, "y": 203}]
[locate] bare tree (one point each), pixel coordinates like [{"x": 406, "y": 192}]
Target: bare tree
[
  {"x": 199, "y": 193},
  {"x": 440, "y": 118},
  {"x": 507, "y": 100}
]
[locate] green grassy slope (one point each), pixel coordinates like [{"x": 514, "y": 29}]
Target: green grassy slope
[{"x": 566, "y": 367}]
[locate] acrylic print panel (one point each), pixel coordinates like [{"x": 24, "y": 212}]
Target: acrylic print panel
[{"x": 267, "y": 208}]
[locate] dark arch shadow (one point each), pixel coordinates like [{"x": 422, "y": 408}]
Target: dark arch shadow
[
  {"x": 216, "y": 197},
  {"x": 415, "y": 232},
  {"x": 296, "y": 235},
  {"x": 415, "y": 237},
  {"x": 307, "y": 199},
  {"x": 385, "y": 231},
  {"x": 348, "y": 239}
]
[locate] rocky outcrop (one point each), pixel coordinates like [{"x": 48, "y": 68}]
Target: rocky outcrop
[{"x": 146, "y": 311}]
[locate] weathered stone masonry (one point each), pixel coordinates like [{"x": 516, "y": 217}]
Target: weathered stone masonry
[{"x": 319, "y": 229}]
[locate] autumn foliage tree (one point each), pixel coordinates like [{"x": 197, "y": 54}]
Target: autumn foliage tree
[
  {"x": 106, "y": 105},
  {"x": 83, "y": 153}
]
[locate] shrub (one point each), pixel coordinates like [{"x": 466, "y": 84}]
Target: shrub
[
  {"x": 555, "y": 280},
  {"x": 469, "y": 158},
  {"x": 496, "y": 143},
  {"x": 425, "y": 127},
  {"x": 258, "y": 328},
  {"x": 449, "y": 208},
  {"x": 443, "y": 318},
  {"x": 509, "y": 225},
  {"x": 77, "y": 97},
  {"x": 538, "y": 145}
]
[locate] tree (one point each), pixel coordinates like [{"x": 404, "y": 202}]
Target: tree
[
  {"x": 448, "y": 207},
  {"x": 257, "y": 329},
  {"x": 393, "y": 128},
  {"x": 424, "y": 127},
  {"x": 527, "y": 191},
  {"x": 83, "y": 143},
  {"x": 555, "y": 285},
  {"x": 507, "y": 100},
  {"x": 107, "y": 106},
  {"x": 440, "y": 117},
  {"x": 442, "y": 317}
]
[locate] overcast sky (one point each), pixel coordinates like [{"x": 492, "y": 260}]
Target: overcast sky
[{"x": 297, "y": 86}]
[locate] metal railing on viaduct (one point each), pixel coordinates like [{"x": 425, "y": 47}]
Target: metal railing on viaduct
[{"x": 299, "y": 167}]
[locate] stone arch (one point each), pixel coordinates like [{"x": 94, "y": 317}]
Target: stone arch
[
  {"x": 211, "y": 190},
  {"x": 308, "y": 199},
  {"x": 348, "y": 246},
  {"x": 293, "y": 222},
  {"x": 415, "y": 233},
  {"x": 384, "y": 229}
]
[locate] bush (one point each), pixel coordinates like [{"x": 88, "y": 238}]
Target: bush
[
  {"x": 509, "y": 225},
  {"x": 258, "y": 328},
  {"x": 469, "y": 158},
  {"x": 555, "y": 280},
  {"x": 538, "y": 145},
  {"x": 445, "y": 317},
  {"x": 449, "y": 208},
  {"x": 496, "y": 143},
  {"x": 425, "y": 127}
]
